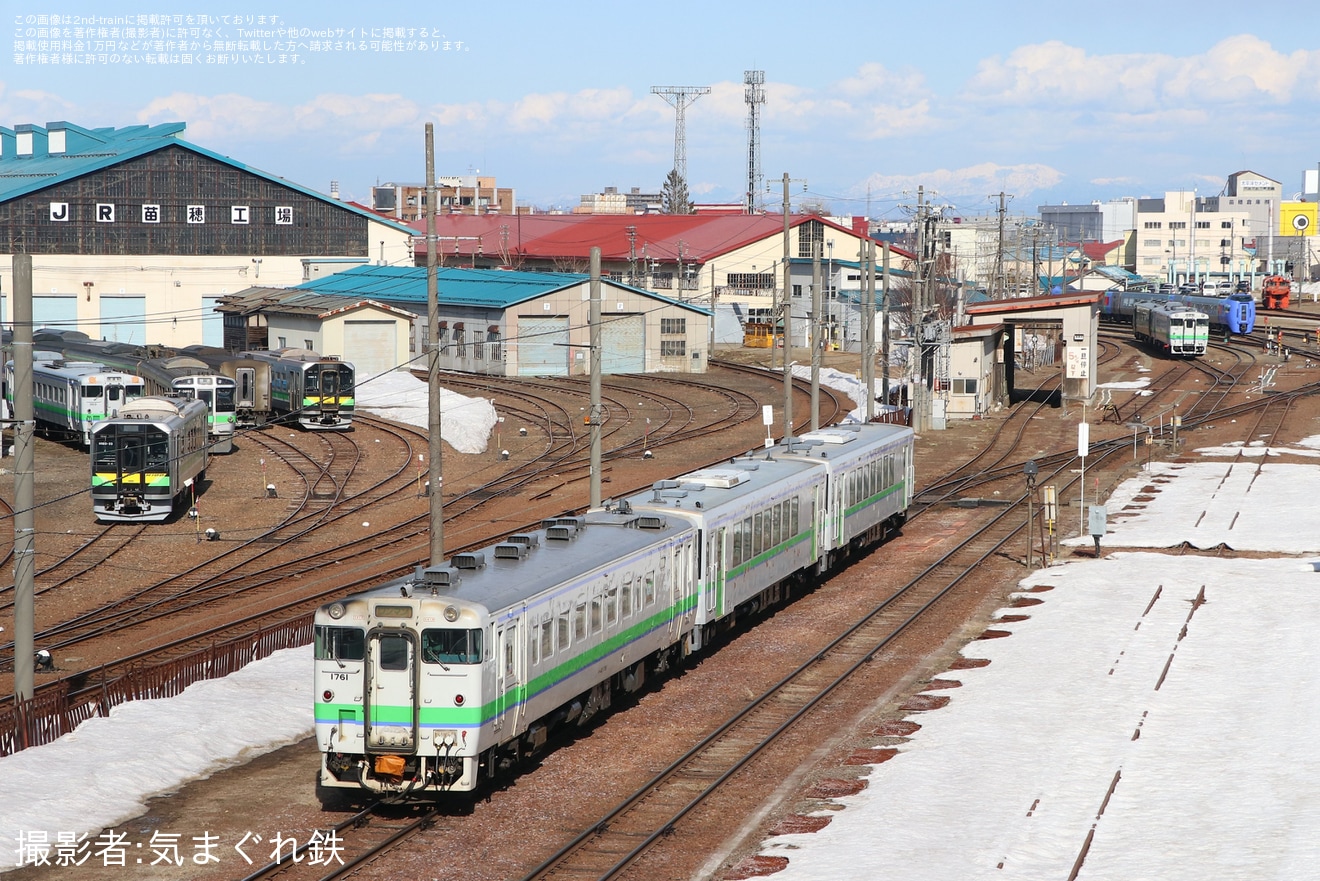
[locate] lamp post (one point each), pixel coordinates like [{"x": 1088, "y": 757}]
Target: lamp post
[{"x": 1029, "y": 470}]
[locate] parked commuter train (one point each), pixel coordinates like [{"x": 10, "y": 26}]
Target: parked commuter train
[
  {"x": 147, "y": 457},
  {"x": 1176, "y": 330},
  {"x": 296, "y": 384},
  {"x": 430, "y": 685},
  {"x": 70, "y": 397},
  {"x": 1229, "y": 315},
  {"x": 165, "y": 374}
]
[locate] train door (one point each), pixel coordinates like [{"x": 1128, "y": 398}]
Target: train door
[
  {"x": 245, "y": 386},
  {"x": 715, "y": 573},
  {"x": 506, "y": 676},
  {"x": 327, "y": 387},
  {"x": 391, "y": 685},
  {"x": 115, "y": 397}
]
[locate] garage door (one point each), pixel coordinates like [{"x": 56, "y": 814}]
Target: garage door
[
  {"x": 57, "y": 313},
  {"x": 370, "y": 347},
  {"x": 623, "y": 344},
  {"x": 124, "y": 320},
  {"x": 542, "y": 346}
]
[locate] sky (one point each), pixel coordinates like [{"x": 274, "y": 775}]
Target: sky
[
  {"x": 864, "y": 101},
  {"x": 1120, "y": 709}
]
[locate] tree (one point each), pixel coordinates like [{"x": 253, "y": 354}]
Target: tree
[{"x": 674, "y": 194}]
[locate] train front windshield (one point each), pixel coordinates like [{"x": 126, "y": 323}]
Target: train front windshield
[
  {"x": 224, "y": 399},
  {"x": 127, "y": 449},
  {"x": 451, "y": 646}
]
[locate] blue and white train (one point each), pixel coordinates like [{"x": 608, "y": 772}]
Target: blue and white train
[
  {"x": 431, "y": 685},
  {"x": 1232, "y": 314}
]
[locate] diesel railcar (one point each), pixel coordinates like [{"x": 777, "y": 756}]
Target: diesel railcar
[
  {"x": 147, "y": 457},
  {"x": 1172, "y": 328},
  {"x": 430, "y": 685},
  {"x": 70, "y": 397},
  {"x": 315, "y": 390}
]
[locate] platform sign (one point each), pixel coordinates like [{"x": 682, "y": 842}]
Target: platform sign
[{"x": 1078, "y": 364}]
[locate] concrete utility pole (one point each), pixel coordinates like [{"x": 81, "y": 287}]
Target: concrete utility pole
[
  {"x": 24, "y": 480},
  {"x": 884, "y": 326},
  {"x": 918, "y": 402},
  {"x": 999, "y": 253},
  {"x": 594, "y": 420},
  {"x": 434, "y": 448},
  {"x": 817, "y": 302},
  {"x": 868, "y": 325},
  {"x": 788, "y": 326}
]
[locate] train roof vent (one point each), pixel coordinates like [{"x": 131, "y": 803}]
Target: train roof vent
[
  {"x": 664, "y": 484},
  {"x": 831, "y": 436},
  {"x": 524, "y": 538},
  {"x": 510, "y": 551},
  {"x": 650, "y": 521},
  {"x": 578, "y": 523},
  {"x": 717, "y": 478},
  {"x": 438, "y": 576},
  {"x": 474, "y": 560},
  {"x": 561, "y": 533}
]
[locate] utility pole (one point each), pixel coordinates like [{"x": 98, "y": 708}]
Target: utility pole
[
  {"x": 918, "y": 402},
  {"x": 25, "y": 572},
  {"x": 999, "y": 253},
  {"x": 868, "y": 325},
  {"x": 817, "y": 302},
  {"x": 884, "y": 326},
  {"x": 788, "y": 325},
  {"x": 595, "y": 418},
  {"x": 435, "y": 494}
]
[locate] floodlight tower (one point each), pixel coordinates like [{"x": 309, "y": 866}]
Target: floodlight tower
[
  {"x": 679, "y": 97},
  {"x": 755, "y": 97}
]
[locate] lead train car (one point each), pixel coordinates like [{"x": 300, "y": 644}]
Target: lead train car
[
  {"x": 432, "y": 684},
  {"x": 1176, "y": 330},
  {"x": 145, "y": 458}
]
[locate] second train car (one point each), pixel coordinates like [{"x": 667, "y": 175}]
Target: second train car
[{"x": 299, "y": 385}]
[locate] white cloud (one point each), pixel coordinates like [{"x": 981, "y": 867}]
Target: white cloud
[
  {"x": 1021, "y": 180},
  {"x": 1241, "y": 69}
]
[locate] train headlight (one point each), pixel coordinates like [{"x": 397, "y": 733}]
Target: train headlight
[
  {"x": 458, "y": 700},
  {"x": 327, "y": 696},
  {"x": 451, "y": 614},
  {"x": 336, "y": 610}
]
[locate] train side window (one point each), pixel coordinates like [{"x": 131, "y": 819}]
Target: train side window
[
  {"x": 778, "y": 515},
  {"x": 510, "y": 641},
  {"x": 533, "y": 645},
  {"x": 340, "y": 643},
  {"x": 580, "y": 622},
  {"x": 547, "y": 639},
  {"x": 737, "y": 545},
  {"x": 767, "y": 532},
  {"x": 648, "y": 589},
  {"x": 626, "y": 596},
  {"x": 596, "y": 619},
  {"x": 562, "y": 628},
  {"x": 612, "y": 605}
]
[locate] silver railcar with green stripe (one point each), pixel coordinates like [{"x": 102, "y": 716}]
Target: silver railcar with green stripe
[{"x": 433, "y": 684}]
